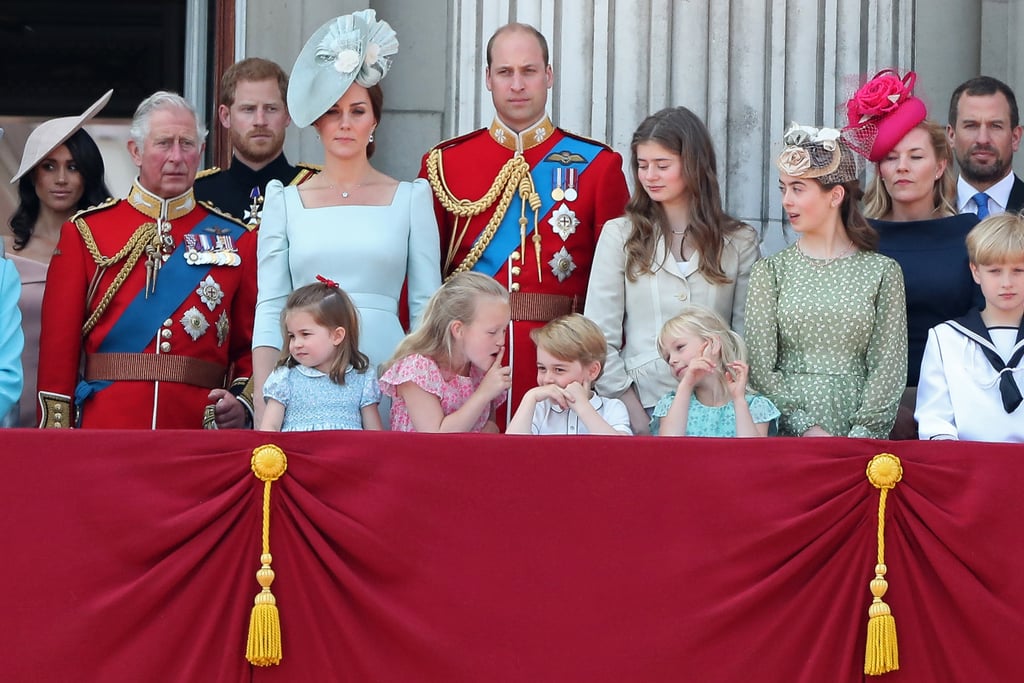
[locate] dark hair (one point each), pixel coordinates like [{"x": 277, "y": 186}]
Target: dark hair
[
  {"x": 980, "y": 86},
  {"x": 525, "y": 28},
  {"x": 680, "y": 131},
  {"x": 90, "y": 165},
  {"x": 331, "y": 307},
  {"x": 860, "y": 232},
  {"x": 377, "y": 105},
  {"x": 250, "y": 70}
]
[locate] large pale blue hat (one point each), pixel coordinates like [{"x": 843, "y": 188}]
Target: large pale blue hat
[{"x": 355, "y": 48}]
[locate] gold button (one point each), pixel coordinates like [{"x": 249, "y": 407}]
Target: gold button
[
  {"x": 57, "y": 424},
  {"x": 516, "y": 256},
  {"x": 166, "y": 334},
  {"x": 58, "y": 415},
  {"x": 168, "y": 322},
  {"x": 165, "y": 347},
  {"x": 514, "y": 287},
  {"x": 516, "y": 270}
]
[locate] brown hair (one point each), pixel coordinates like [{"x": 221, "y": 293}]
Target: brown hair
[
  {"x": 680, "y": 131},
  {"x": 878, "y": 201},
  {"x": 377, "y": 105},
  {"x": 572, "y": 338},
  {"x": 331, "y": 307},
  {"x": 250, "y": 70},
  {"x": 524, "y": 28}
]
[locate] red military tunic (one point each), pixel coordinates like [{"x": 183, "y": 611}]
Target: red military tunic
[
  {"x": 203, "y": 342},
  {"x": 586, "y": 190}
]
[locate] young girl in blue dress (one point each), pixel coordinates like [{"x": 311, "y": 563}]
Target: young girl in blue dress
[
  {"x": 708, "y": 360},
  {"x": 322, "y": 380}
]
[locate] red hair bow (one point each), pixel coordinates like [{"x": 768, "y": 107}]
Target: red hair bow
[{"x": 327, "y": 281}]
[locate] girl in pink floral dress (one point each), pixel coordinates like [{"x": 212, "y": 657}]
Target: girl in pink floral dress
[{"x": 448, "y": 375}]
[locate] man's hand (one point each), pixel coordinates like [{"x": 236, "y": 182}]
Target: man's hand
[{"x": 228, "y": 411}]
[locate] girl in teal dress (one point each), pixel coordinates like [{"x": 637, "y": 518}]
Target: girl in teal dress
[
  {"x": 709, "y": 362},
  {"x": 826, "y": 317}
]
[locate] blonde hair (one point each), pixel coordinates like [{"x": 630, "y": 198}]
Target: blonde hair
[
  {"x": 330, "y": 307},
  {"x": 996, "y": 240},
  {"x": 572, "y": 338},
  {"x": 456, "y": 300},
  {"x": 704, "y": 324},
  {"x": 878, "y": 201}
]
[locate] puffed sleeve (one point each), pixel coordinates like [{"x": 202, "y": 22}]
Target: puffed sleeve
[
  {"x": 606, "y": 303},
  {"x": 12, "y": 341},
  {"x": 423, "y": 268},
  {"x": 762, "y": 337},
  {"x": 746, "y": 243},
  {"x": 885, "y": 359},
  {"x": 934, "y": 410},
  {"x": 273, "y": 271}
]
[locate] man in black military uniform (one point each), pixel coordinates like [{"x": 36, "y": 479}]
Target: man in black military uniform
[{"x": 253, "y": 109}]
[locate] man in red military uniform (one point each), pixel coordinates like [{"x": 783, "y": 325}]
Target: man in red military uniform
[
  {"x": 536, "y": 198},
  {"x": 150, "y": 300}
]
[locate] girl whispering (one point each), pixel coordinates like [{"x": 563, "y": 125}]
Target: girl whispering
[
  {"x": 448, "y": 375},
  {"x": 321, "y": 381},
  {"x": 708, "y": 360}
]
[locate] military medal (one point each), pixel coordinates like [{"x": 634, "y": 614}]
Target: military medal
[
  {"x": 210, "y": 293},
  {"x": 215, "y": 250},
  {"x": 572, "y": 177},
  {"x": 252, "y": 214},
  {"x": 558, "y": 184},
  {"x": 563, "y": 221},
  {"x": 562, "y": 264}
]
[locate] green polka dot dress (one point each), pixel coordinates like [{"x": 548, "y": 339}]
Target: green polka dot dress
[{"x": 828, "y": 341}]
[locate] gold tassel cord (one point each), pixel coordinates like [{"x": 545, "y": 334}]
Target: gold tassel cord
[
  {"x": 881, "y": 654},
  {"x": 264, "y": 645}
]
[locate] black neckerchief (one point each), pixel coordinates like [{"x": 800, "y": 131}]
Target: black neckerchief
[{"x": 973, "y": 327}]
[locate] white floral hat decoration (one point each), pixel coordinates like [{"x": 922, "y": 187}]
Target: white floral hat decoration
[
  {"x": 819, "y": 153},
  {"x": 355, "y": 48}
]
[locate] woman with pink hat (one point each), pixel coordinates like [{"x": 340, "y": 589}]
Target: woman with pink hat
[
  {"x": 911, "y": 203},
  {"x": 351, "y": 223},
  {"x": 61, "y": 173}
]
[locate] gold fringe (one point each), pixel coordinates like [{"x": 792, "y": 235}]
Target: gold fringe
[
  {"x": 881, "y": 654},
  {"x": 264, "y": 644}
]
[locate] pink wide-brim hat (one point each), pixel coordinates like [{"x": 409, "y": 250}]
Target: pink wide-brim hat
[{"x": 51, "y": 134}]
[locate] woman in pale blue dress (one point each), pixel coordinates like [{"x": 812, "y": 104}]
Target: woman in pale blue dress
[{"x": 350, "y": 223}]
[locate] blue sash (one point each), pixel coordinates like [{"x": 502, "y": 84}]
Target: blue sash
[
  {"x": 507, "y": 238},
  {"x": 177, "y": 280}
]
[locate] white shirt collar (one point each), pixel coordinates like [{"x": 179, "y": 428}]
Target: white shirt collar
[
  {"x": 595, "y": 401},
  {"x": 998, "y": 194}
]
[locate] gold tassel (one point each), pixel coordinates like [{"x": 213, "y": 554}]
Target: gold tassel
[
  {"x": 264, "y": 646},
  {"x": 881, "y": 654}
]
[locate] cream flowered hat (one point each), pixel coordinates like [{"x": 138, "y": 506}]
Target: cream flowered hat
[
  {"x": 819, "y": 153},
  {"x": 355, "y": 48}
]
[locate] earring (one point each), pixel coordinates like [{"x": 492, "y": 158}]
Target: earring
[{"x": 371, "y": 137}]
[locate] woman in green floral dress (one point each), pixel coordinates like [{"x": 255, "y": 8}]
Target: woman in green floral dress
[{"x": 826, "y": 318}]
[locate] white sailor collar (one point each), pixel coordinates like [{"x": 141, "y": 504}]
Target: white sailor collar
[{"x": 532, "y": 136}]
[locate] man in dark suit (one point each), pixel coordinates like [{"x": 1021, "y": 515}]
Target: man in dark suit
[{"x": 984, "y": 131}]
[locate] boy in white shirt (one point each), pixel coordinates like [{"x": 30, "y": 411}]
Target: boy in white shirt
[
  {"x": 972, "y": 375},
  {"x": 570, "y": 356}
]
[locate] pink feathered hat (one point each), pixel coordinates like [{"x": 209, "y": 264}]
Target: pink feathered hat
[{"x": 881, "y": 112}]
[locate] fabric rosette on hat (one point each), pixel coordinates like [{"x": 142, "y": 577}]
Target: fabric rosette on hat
[
  {"x": 355, "y": 48},
  {"x": 819, "y": 153},
  {"x": 881, "y": 112}
]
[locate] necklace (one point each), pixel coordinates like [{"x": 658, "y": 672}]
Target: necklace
[
  {"x": 345, "y": 193},
  {"x": 822, "y": 262},
  {"x": 680, "y": 232}
]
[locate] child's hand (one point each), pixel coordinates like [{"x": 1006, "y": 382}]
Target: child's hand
[
  {"x": 498, "y": 378},
  {"x": 577, "y": 393},
  {"x": 698, "y": 369},
  {"x": 551, "y": 392},
  {"x": 736, "y": 374}
]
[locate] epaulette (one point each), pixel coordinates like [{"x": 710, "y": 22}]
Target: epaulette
[
  {"x": 462, "y": 138},
  {"x": 306, "y": 171},
  {"x": 208, "y": 172},
  {"x": 106, "y": 204},
  {"x": 223, "y": 214},
  {"x": 584, "y": 138}
]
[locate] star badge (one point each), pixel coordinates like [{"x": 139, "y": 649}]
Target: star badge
[
  {"x": 562, "y": 264},
  {"x": 563, "y": 221},
  {"x": 210, "y": 292},
  {"x": 194, "y": 323}
]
